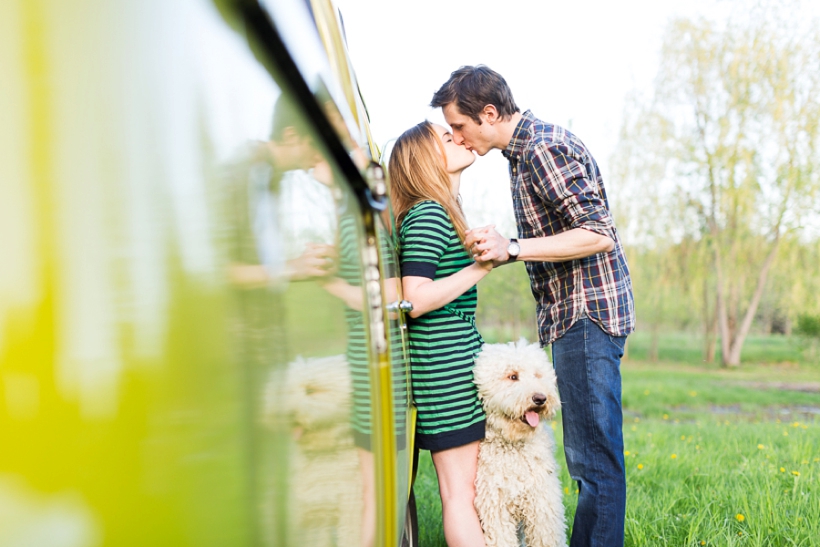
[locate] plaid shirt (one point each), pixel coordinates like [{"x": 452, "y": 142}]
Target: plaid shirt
[{"x": 556, "y": 186}]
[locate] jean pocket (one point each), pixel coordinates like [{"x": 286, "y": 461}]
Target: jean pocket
[{"x": 619, "y": 342}]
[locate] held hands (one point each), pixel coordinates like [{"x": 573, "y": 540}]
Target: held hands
[
  {"x": 318, "y": 260},
  {"x": 488, "y": 247}
]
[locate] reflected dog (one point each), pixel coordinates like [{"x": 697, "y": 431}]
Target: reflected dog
[
  {"x": 326, "y": 479},
  {"x": 517, "y": 480}
]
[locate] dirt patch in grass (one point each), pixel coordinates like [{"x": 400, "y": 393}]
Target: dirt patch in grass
[
  {"x": 805, "y": 387},
  {"x": 784, "y": 413}
]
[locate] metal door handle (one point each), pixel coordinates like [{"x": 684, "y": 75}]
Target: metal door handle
[{"x": 403, "y": 305}]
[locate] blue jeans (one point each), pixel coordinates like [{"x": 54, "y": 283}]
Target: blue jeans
[{"x": 587, "y": 362}]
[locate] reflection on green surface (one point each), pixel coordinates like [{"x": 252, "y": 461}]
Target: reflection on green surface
[{"x": 183, "y": 354}]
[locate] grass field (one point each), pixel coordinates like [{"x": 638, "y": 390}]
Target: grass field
[{"x": 713, "y": 457}]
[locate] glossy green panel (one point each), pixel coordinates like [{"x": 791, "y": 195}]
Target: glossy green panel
[{"x": 183, "y": 347}]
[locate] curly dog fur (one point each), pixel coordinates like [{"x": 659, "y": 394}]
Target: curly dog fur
[{"x": 517, "y": 480}]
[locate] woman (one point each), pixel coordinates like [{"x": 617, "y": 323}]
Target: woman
[{"x": 439, "y": 277}]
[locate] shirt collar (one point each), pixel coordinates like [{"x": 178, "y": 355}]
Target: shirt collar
[{"x": 520, "y": 136}]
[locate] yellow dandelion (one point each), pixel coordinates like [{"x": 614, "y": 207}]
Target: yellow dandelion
[
  {"x": 785, "y": 433},
  {"x": 566, "y": 490},
  {"x": 796, "y": 424},
  {"x": 702, "y": 542},
  {"x": 646, "y": 392},
  {"x": 553, "y": 425},
  {"x": 760, "y": 447},
  {"x": 640, "y": 466},
  {"x": 796, "y": 473},
  {"x": 782, "y": 469},
  {"x": 804, "y": 462},
  {"x": 666, "y": 416},
  {"x": 697, "y": 447},
  {"x": 626, "y": 452},
  {"x": 740, "y": 517},
  {"x": 817, "y": 460},
  {"x": 693, "y": 393},
  {"x": 683, "y": 437},
  {"x": 634, "y": 428},
  {"x": 740, "y": 533},
  {"x": 674, "y": 456}
]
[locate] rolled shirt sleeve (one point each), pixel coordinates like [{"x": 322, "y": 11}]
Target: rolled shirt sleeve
[{"x": 560, "y": 178}]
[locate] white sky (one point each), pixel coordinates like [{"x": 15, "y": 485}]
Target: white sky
[{"x": 571, "y": 62}]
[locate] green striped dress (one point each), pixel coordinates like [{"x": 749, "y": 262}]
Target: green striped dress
[{"x": 443, "y": 342}]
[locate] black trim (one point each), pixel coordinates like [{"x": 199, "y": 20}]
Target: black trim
[
  {"x": 451, "y": 439},
  {"x": 419, "y": 269},
  {"x": 263, "y": 30}
]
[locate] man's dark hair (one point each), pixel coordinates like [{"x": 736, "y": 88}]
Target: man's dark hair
[
  {"x": 472, "y": 88},
  {"x": 285, "y": 114}
]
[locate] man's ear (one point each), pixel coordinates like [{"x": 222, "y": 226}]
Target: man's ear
[{"x": 490, "y": 113}]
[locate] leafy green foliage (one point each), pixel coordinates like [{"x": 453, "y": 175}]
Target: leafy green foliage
[{"x": 808, "y": 325}]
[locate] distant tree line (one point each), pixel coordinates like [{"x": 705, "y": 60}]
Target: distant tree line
[{"x": 718, "y": 178}]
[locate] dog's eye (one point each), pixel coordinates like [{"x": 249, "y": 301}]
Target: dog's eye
[{"x": 513, "y": 377}]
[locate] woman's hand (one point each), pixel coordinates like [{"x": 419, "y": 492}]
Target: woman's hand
[{"x": 487, "y": 245}]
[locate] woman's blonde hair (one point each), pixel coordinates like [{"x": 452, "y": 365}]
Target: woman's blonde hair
[{"x": 417, "y": 173}]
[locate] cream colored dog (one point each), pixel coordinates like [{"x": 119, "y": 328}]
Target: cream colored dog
[
  {"x": 325, "y": 480},
  {"x": 517, "y": 481}
]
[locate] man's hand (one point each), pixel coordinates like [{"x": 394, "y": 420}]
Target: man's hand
[
  {"x": 318, "y": 260},
  {"x": 487, "y": 245}
]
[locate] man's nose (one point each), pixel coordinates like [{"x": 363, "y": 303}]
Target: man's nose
[{"x": 458, "y": 138}]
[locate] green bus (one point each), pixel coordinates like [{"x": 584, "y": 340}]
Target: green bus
[{"x": 202, "y": 335}]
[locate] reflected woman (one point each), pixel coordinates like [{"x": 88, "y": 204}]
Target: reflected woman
[{"x": 439, "y": 278}]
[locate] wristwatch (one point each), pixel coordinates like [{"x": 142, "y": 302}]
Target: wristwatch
[{"x": 513, "y": 249}]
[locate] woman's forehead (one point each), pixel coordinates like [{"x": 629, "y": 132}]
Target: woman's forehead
[{"x": 440, "y": 129}]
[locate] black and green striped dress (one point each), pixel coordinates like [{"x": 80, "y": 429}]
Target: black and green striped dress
[{"x": 443, "y": 342}]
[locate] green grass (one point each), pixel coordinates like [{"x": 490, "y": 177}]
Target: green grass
[
  {"x": 705, "y": 445},
  {"x": 685, "y": 348}
]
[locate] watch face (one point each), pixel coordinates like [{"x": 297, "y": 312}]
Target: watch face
[{"x": 513, "y": 249}]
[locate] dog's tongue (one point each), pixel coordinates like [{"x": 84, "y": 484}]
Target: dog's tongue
[{"x": 532, "y": 418}]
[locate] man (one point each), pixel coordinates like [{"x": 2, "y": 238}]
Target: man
[{"x": 579, "y": 277}]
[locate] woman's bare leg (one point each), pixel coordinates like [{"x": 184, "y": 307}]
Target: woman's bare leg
[
  {"x": 369, "y": 498},
  {"x": 456, "y": 469}
]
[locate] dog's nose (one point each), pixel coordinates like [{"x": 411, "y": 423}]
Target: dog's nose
[{"x": 539, "y": 399}]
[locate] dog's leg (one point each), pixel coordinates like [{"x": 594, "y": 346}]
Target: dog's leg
[
  {"x": 544, "y": 524},
  {"x": 500, "y": 528}
]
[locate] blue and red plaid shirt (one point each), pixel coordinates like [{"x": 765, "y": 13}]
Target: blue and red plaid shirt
[{"x": 556, "y": 186}]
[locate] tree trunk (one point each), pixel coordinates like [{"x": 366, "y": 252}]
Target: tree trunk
[
  {"x": 746, "y": 324},
  {"x": 721, "y": 312},
  {"x": 709, "y": 326},
  {"x": 711, "y": 348}
]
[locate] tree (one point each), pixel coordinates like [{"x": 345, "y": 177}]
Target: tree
[{"x": 732, "y": 134}]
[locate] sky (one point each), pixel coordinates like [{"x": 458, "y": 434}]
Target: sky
[{"x": 572, "y": 63}]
